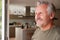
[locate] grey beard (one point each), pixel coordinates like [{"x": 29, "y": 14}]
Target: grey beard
[{"x": 39, "y": 26}]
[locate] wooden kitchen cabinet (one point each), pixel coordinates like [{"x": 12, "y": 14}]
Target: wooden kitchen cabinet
[
  {"x": 24, "y": 34},
  {"x": 11, "y": 32}
]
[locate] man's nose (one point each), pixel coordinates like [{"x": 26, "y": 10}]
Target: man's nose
[{"x": 38, "y": 15}]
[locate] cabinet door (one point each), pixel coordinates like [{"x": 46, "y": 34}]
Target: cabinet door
[
  {"x": 11, "y": 31},
  {"x": 27, "y": 35}
]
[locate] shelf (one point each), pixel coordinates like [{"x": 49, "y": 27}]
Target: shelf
[{"x": 20, "y": 17}]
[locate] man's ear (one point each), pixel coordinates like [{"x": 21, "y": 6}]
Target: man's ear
[{"x": 52, "y": 15}]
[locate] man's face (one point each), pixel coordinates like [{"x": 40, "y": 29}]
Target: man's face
[{"x": 41, "y": 15}]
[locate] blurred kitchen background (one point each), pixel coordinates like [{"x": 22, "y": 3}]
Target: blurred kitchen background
[{"x": 20, "y": 18}]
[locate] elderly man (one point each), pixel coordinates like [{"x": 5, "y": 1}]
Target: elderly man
[{"x": 44, "y": 17}]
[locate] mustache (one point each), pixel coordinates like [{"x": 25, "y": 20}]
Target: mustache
[{"x": 38, "y": 18}]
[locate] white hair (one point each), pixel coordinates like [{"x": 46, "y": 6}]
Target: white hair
[{"x": 50, "y": 8}]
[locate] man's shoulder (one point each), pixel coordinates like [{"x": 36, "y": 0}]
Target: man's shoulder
[
  {"x": 58, "y": 29},
  {"x": 57, "y": 33},
  {"x": 37, "y": 29}
]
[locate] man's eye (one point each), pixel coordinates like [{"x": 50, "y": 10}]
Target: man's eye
[{"x": 40, "y": 13}]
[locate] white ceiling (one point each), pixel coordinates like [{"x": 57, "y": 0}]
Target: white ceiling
[{"x": 33, "y": 2}]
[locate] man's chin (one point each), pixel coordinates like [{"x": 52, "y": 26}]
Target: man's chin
[{"x": 38, "y": 25}]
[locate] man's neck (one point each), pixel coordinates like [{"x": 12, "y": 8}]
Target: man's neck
[{"x": 47, "y": 27}]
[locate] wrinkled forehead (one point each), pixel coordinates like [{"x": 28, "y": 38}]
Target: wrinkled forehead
[{"x": 42, "y": 7}]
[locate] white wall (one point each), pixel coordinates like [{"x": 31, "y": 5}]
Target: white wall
[{"x": 33, "y": 2}]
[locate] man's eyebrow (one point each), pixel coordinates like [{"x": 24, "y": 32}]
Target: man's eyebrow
[{"x": 39, "y": 13}]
